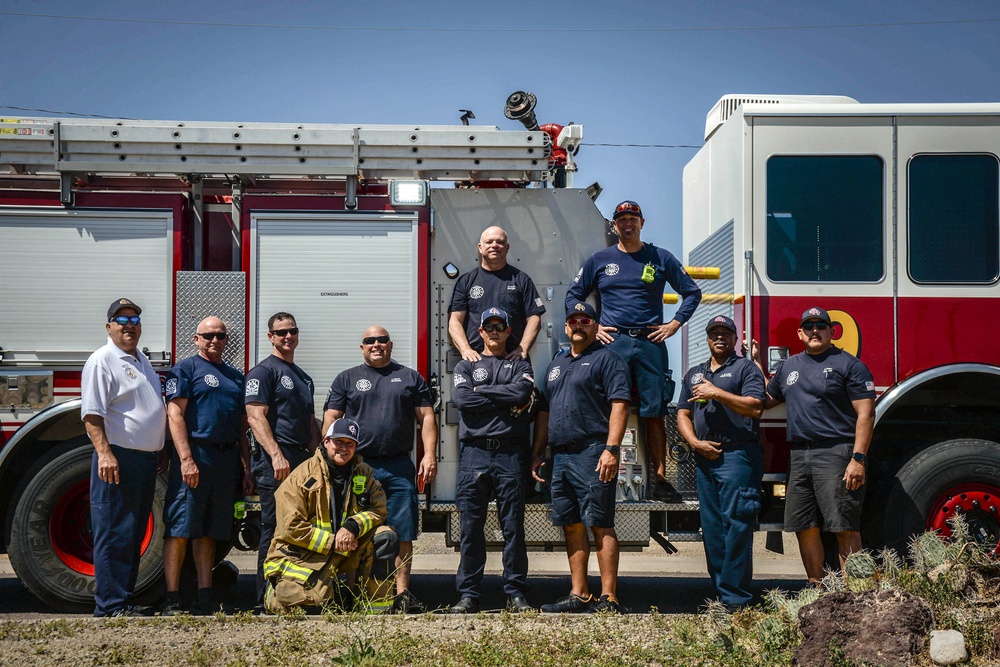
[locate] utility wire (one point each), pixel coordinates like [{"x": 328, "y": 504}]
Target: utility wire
[
  {"x": 66, "y": 113},
  {"x": 224, "y": 24}
]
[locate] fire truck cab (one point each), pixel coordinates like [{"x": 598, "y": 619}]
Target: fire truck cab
[{"x": 887, "y": 216}]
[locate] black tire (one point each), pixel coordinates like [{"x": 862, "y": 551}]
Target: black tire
[
  {"x": 35, "y": 558},
  {"x": 927, "y": 477}
]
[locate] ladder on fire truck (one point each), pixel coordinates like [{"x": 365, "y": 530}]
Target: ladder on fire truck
[{"x": 71, "y": 147}]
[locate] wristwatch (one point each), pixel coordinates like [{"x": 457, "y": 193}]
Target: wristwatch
[
  {"x": 859, "y": 457},
  {"x": 614, "y": 450}
]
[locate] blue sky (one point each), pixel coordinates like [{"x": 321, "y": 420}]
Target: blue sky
[{"x": 630, "y": 72}]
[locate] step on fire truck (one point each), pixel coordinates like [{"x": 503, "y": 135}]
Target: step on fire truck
[{"x": 886, "y": 215}]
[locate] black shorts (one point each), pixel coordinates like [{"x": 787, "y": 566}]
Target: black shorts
[
  {"x": 817, "y": 495},
  {"x": 578, "y": 494}
]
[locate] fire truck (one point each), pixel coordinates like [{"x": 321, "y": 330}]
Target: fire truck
[{"x": 886, "y": 215}]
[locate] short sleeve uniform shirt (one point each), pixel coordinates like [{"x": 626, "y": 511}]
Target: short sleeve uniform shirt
[
  {"x": 509, "y": 289},
  {"x": 215, "y": 398},
  {"x": 714, "y": 421},
  {"x": 287, "y": 392}
]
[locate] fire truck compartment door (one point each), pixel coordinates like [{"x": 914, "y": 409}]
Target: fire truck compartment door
[
  {"x": 337, "y": 273},
  {"x": 61, "y": 269}
]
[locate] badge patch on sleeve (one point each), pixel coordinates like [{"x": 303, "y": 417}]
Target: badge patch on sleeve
[{"x": 358, "y": 484}]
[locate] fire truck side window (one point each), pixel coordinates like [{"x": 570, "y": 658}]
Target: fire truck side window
[
  {"x": 825, "y": 218},
  {"x": 954, "y": 218}
]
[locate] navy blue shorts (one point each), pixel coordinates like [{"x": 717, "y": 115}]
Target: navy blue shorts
[
  {"x": 578, "y": 494},
  {"x": 397, "y": 477},
  {"x": 207, "y": 510},
  {"x": 647, "y": 366}
]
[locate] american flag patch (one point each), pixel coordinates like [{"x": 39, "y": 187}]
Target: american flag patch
[{"x": 870, "y": 386}]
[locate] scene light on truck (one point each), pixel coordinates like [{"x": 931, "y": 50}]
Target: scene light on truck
[{"x": 408, "y": 193}]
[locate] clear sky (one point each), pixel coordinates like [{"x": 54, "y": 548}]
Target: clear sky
[{"x": 630, "y": 72}]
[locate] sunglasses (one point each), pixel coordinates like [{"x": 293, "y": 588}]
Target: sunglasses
[
  {"x": 281, "y": 333},
  {"x": 494, "y": 326},
  {"x": 122, "y": 320},
  {"x": 371, "y": 340},
  {"x": 580, "y": 322},
  {"x": 628, "y": 207},
  {"x": 212, "y": 335},
  {"x": 809, "y": 326}
]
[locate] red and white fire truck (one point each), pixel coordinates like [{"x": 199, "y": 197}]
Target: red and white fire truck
[
  {"x": 887, "y": 216},
  {"x": 338, "y": 225}
]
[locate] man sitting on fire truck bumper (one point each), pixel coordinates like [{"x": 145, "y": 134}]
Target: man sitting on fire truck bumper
[{"x": 330, "y": 547}]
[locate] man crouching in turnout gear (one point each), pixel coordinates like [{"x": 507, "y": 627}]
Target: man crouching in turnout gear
[{"x": 330, "y": 548}]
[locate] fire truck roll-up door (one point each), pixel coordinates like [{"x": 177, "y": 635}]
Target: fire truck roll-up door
[
  {"x": 337, "y": 273},
  {"x": 66, "y": 266}
]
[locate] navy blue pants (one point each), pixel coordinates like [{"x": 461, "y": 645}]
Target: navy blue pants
[
  {"x": 729, "y": 496},
  {"x": 482, "y": 475},
  {"x": 119, "y": 514},
  {"x": 263, "y": 474}
]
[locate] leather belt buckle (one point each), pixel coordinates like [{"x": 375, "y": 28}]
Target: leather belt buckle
[
  {"x": 634, "y": 333},
  {"x": 492, "y": 444}
]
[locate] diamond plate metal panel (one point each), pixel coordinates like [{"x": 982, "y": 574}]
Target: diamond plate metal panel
[
  {"x": 680, "y": 469},
  {"x": 218, "y": 293}
]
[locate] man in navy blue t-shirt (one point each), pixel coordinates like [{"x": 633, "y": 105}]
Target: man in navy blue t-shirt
[
  {"x": 494, "y": 283},
  {"x": 718, "y": 414},
  {"x": 279, "y": 404},
  {"x": 585, "y": 397},
  {"x": 629, "y": 278},
  {"x": 208, "y": 425},
  {"x": 390, "y": 401},
  {"x": 831, "y": 414}
]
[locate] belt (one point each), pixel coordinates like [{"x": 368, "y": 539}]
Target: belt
[
  {"x": 221, "y": 446},
  {"x": 301, "y": 448},
  {"x": 490, "y": 444},
  {"x": 573, "y": 449},
  {"x": 372, "y": 457},
  {"x": 638, "y": 332}
]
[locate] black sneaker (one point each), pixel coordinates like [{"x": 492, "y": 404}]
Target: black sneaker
[
  {"x": 171, "y": 608},
  {"x": 517, "y": 604},
  {"x": 665, "y": 492},
  {"x": 571, "y": 604},
  {"x": 133, "y": 611},
  {"x": 465, "y": 606},
  {"x": 407, "y": 603},
  {"x": 206, "y": 607},
  {"x": 607, "y": 606}
]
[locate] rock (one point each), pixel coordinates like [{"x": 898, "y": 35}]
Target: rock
[
  {"x": 948, "y": 647},
  {"x": 885, "y": 627}
]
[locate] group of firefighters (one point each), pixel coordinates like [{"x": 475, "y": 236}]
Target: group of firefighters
[{"x": 338, "y": 502}]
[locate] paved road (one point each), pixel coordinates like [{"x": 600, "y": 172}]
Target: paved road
[{"x": 674, "y": 584}]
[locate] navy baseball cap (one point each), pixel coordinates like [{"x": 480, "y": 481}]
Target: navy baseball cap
[
  {"x": 118, "y": 304},
  {"x": 815, "y": 314},
  {"x": 344, "y": 428},
  {"x": 721, "y": 321},
  {"x": 494, "y": 312},
  {"x": 581, "y": 308},
  {"x": 627, "y": 206}
]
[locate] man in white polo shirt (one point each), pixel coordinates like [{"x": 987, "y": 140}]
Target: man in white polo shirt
[{"x": 125, "y": 418}]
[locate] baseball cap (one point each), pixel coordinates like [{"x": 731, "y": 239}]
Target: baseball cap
[
  {"x": 581, "y": 308},
  {"x": 627, "y": 206},
  {"x": 118, "y": 304},
  {"x": 494, "y": 312},
  {"x": 815, "y": 314},
  {"x": 344, "y": 428},
  {"x": 721, "y": 321}
]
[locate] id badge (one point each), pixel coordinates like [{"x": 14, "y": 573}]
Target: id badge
[{"x": 648, "y": 273}]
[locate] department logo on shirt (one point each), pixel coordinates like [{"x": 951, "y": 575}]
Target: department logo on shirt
[
  {"x": 480, "y": 374},
  {"x": 553, "y": 374},
  {"x": 459, "y": 379},
  {"x": 213, "y": 381},
  {"x": 171, "y": 385},
  {"x": 129, "y": 372},
  {"x": 792, "y": 378},
  {"x": 576, "y": 280},
  {"x": 287, "y": 383},
  {"x": 253, "y": 387},
  {"x": 697, "y": 378},
  {"x": 476, "y": 292},
  {"x": 611, "y": 270},
  {"x": 511, "y": 288},
  {"x": 363, "y": 385}
]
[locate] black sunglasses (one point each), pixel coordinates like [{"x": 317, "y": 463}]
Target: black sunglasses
[
  {"x": 494, "y": 326},
  {"x": 809, "y": 326},
  {"x": 371, "y": 340},
  {"x": 281, "y": 333},
  {"x": 122, "y": 320},
  {"x": 212, "y": 335}
]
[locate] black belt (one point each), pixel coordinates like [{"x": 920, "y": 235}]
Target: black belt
[
  {"x": 491, "y": 444},
  {"x": 221, "y": 446},
  {"x": 572, "y": 449},
  {"x": 638, "y": 332},
  {"x": 372, "y": 457},
  {"x": 301, "y": 448}
]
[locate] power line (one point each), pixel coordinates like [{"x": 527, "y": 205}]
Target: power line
[
  {"x": 66, "y": 113},
  {"x": 279, "y": 26},
  {"x": 587, "y": 143}
]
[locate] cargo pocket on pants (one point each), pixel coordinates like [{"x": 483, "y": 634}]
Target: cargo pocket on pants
[{"x": 748, "y": 505}]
